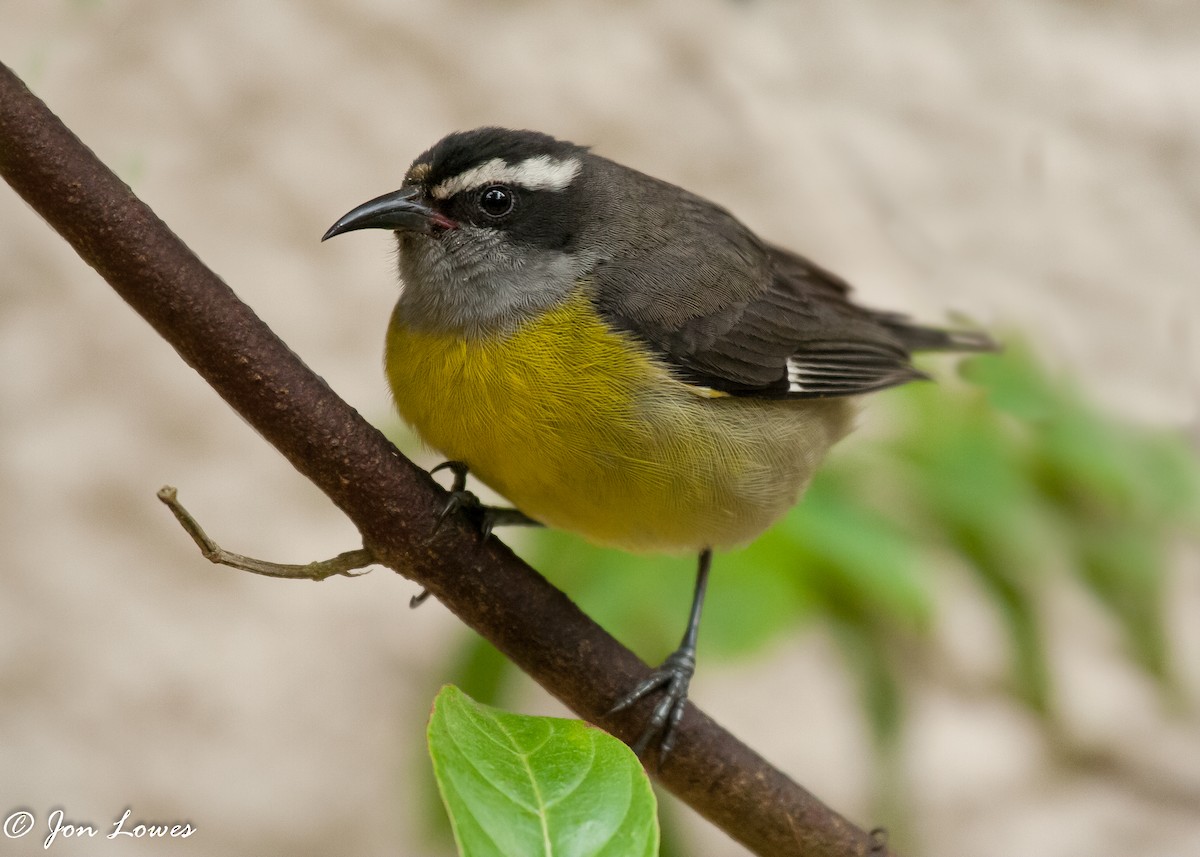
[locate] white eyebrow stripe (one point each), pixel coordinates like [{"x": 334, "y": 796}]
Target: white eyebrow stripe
[{"x": 540, "y": 172}]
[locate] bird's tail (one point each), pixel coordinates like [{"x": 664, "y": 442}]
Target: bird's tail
[{"x": 914, "y": 337}]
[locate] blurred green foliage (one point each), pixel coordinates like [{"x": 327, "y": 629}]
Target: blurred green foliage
[{"x": 1007, "y": 475}]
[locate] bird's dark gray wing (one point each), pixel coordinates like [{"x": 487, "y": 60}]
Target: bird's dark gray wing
[{"x": 727, "y": 311}]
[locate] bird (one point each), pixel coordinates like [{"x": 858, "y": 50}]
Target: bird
[{"x": 619, "y": 357}]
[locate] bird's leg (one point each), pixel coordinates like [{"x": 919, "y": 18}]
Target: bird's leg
[
  {"x": 673, "y": 676},
  {"x": 489, "y": 517}
]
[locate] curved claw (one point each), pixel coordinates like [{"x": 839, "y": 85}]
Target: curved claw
[
  {"x": 459, "y": 469},
  {"x": 459, "y": 500},
  {"x": 465, "y": 501}
]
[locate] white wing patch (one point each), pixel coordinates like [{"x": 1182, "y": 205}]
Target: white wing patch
[
  {"x": 540, "y": 172},
  {"x": 795, "y": 374},
  {"x": 843, "y": 373}
]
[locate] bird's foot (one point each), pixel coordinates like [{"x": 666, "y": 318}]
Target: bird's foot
[
  {"x": 673, "y": 678},
  {"x": 486, "y": 518}
]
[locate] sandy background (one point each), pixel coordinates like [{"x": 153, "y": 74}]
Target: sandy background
[{"x": 1032, "y": 164}]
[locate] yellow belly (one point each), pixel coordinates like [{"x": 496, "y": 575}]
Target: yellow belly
[{"x": 582, "y": 429}]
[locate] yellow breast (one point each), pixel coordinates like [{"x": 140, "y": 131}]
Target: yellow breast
[{"x": 581, "y": 428}]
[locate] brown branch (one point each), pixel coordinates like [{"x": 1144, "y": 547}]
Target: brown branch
[{"x": 392, "y": 502}]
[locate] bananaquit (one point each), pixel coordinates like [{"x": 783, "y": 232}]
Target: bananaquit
[{"x": 619, "y": 357}]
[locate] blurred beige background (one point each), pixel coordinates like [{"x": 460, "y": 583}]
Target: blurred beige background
[{"x": 1026, "y": 164}]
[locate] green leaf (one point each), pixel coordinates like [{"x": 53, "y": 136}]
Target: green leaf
[{"x": 519, "y": 786}]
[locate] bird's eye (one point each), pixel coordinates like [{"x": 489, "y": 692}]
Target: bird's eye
[{"x": 496, "y": 201}]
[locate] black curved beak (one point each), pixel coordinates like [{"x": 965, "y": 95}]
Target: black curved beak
[{"x": 398, "y": 211}]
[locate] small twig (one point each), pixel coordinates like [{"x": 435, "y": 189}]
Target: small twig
[{"x": 344, "y": 563}]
